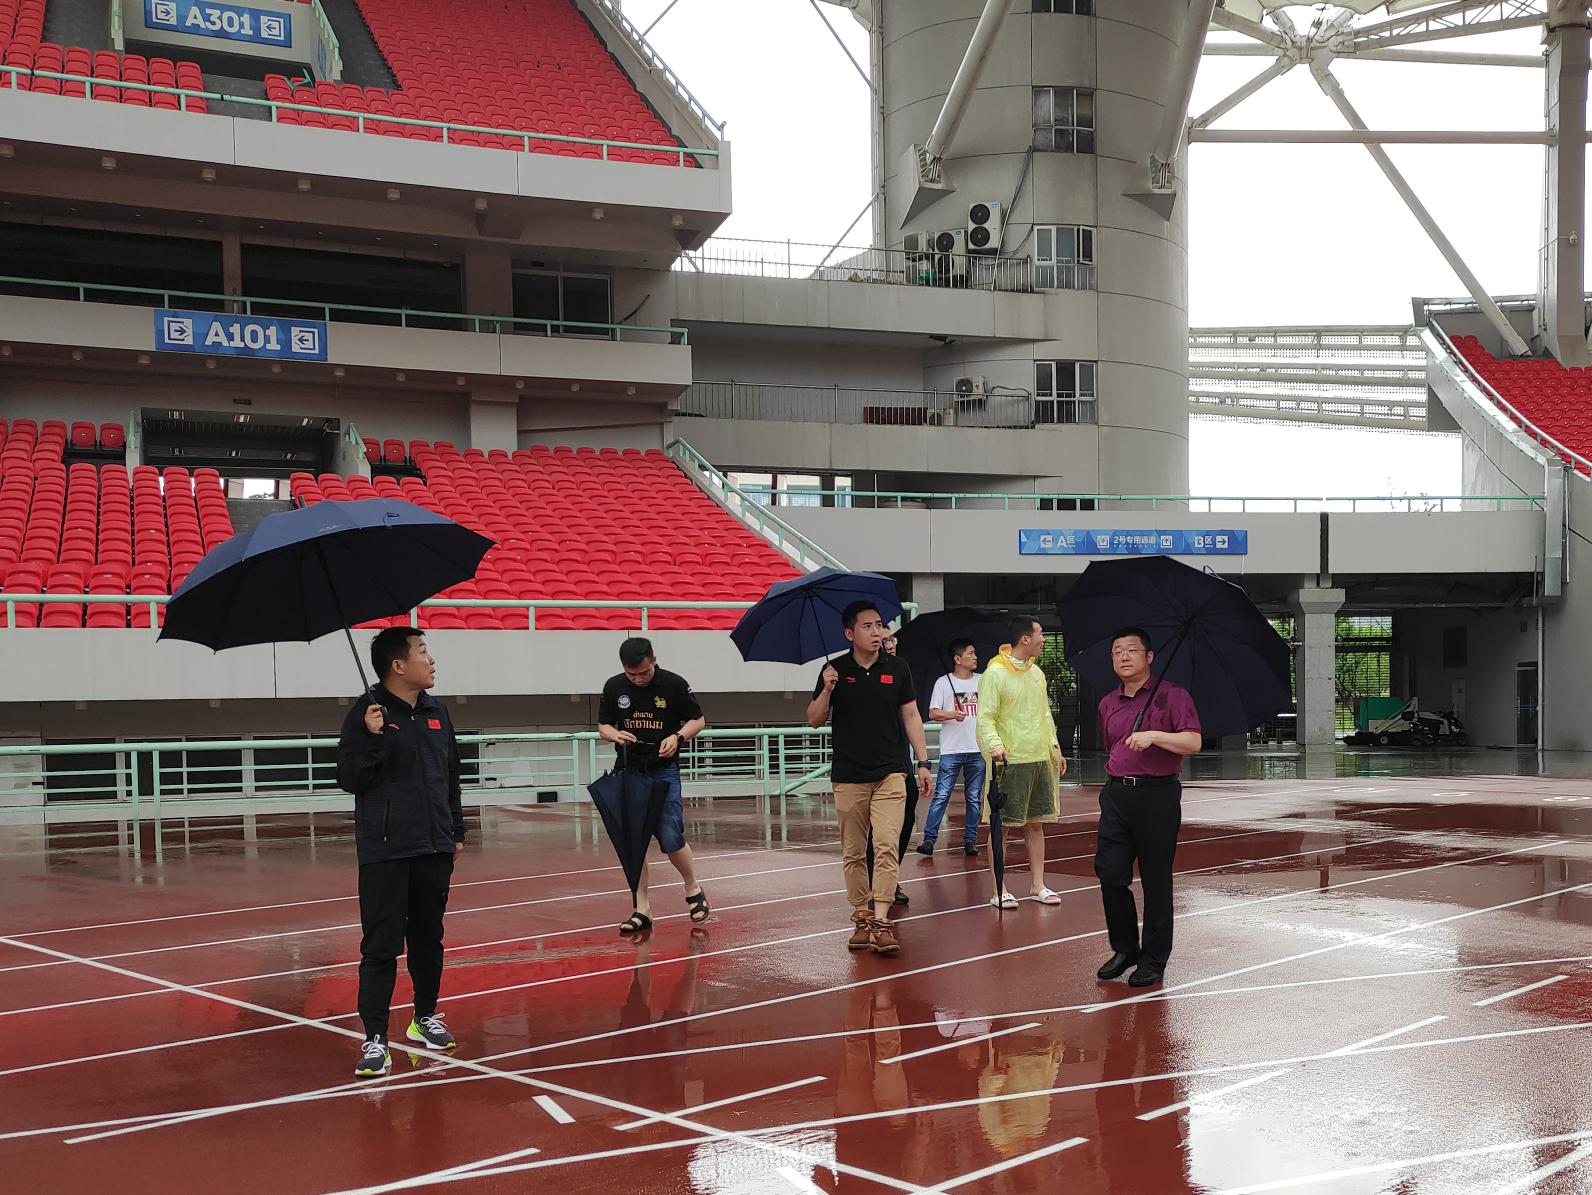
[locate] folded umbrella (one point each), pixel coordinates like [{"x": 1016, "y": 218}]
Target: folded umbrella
[
  {"x": 631, "y": 806},
  {"x": 925, "y": 644},
  {"x": 996, "y": 800},
  {"x": 1207, "y": 636},
  {"x": 798, "y": 621},
  {"x": 307, "y": 572}
]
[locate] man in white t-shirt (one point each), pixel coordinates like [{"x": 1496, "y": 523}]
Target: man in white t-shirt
[{"x": 954, "y": 705}]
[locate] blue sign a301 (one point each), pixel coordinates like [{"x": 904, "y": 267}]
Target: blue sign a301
[
  {"x": 1106, "y": 542},
  {"x": 220, "y": 335},
  {"x": 229, "y": 22}
]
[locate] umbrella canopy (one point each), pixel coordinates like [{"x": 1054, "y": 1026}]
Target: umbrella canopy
[
  {"x": 631, "y": 806},
  {"x": 925, "y": 644},
  {"x": 1207, "y": 636},
  {"x": 304, "y": 573},
  {"x": 798, "y": 621}
]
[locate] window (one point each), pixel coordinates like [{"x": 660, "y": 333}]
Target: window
[
  {"x": 1053, "y": 504},
  {"x": 1064, "y": 257},
  {"x": 563, "y": 298},
  {"x": 1081, "y": 8},
  {"x": 1064, "y": 392},
  {"x": 1064, "y": 120}
]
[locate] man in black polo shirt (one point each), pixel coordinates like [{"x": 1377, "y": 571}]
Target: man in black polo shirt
[
  {"x": 874, "y": 707},
  {"x": 649, "y": 714}
]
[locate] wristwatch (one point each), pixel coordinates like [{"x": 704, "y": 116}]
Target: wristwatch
[{"x": 923, "y": 763}]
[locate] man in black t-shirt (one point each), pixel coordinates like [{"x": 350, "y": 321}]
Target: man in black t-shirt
[
  {"x": 873, "y": 703},
  {"x": 649, "y": 714}
]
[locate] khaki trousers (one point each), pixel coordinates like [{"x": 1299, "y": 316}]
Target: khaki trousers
[{"x": 879, "y": 805}]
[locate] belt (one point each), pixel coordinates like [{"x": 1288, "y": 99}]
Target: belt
[{"x": 1141, "y": 781}]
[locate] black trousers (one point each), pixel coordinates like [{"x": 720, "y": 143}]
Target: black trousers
[
  {"x": 908, "y": 815},
  {"x": 1138, "y": 824},
  {"x": 401, "y": 902}
]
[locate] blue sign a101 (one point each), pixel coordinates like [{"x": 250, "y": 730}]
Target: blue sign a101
[
  {"x": 229, "y": 22},
  {"x": 219, "y": 335}
]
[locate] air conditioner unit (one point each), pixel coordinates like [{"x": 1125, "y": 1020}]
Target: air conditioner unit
[
  {"x": 918, "y": 251},
  {"x": 943, "y": 418},
  {"x": 950, "y": 257},
  {"x": 973, "y": 385},
  {"x": 984, "y": 227}
]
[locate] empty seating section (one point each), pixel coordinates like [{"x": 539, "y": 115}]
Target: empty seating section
[
  {"x": 96, "y": 529},
  {"x": 1555, "y": 399},
  {"x": 534, "y": 66},
  {"x": 21, "y": 30},
  {"x": 575, "y": 524}
]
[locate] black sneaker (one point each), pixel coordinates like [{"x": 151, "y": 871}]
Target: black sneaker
[
  {"x": 969, "y": 850},
  {"x": 431, "y": 1031},
  {"x": 901, "y": 898},
  {"x": 926, "y": 847},
  {"x": 374, "y": 1060}
]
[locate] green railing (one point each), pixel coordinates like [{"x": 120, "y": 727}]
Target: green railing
[
  {"x": 363, "y": 121},
  {"x": 644, "y": 607},
  {"x": 403, "y": 317},
  {"x": 756, "y": 515},
  {"x": 803, "y": 496},
  {"x": 183, "y": 777}
]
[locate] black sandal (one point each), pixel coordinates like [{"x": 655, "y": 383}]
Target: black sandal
[
  {"x": 698, "y": 904},
  {"x": 636, "y": 923}
]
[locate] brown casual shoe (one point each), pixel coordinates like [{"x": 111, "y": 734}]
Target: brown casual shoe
[
  {"x": 881, "y": 937},
  {"x": 859, "y": 930}
]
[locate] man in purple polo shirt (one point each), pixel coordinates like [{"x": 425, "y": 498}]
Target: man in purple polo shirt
[{"x": 1140, "y": 805}]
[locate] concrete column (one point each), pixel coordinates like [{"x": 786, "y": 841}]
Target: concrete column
[
  {"x": 1314, "y": 611},
  {"x": 232, "y": 266},
  {"x": 488, "y": 283},
  {"x": 928, "y": 591},
  {"x": 1563, "y": 254},
  {"x": 494, "y": 420}
]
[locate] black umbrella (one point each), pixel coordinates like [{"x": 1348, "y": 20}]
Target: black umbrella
[
  {"x": 1207, "y": 636},
  {"x": 997, "y": 836},
  {"x": 925, "y": 644},
  {"x": 631, "y": 805},
  {"x": 307, "y": 572}
]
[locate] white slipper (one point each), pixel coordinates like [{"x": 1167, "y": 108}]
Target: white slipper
[
  {"x": 1004, "y": 901},
  {"x": 1045, "y": 897}
]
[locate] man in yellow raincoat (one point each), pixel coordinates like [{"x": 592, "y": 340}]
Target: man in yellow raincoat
[{"x": 1015, "y": 729}]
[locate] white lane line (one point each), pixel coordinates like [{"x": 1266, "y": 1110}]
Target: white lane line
[
  {"x": 728, "y": 1011},
  {"x": 1529, "y": 1182},
  {"x": 1530, "y": 987},
  {"x": 953, "y": 1045},
  {"x": 799, "y": 1181},
  {"x": 1389, "y": 1035},
  {"x": 727, "y": 1102},
  {"x": 678, "y": 1121},
  {"x": 1365, "y": 939},
  {"x": 1316, "y": 1181},
  {"x": 1210, "y": 1096},
  {"x": 963, "y": 1180},
  {"x": 551, "y": 1106}
]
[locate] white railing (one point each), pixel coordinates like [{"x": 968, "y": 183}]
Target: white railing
[
  {"x": 856, "y": 405},
  {"x": 841, "y": 263}
]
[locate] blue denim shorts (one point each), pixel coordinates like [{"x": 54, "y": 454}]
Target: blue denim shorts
[{"x": 671, "y": 825}]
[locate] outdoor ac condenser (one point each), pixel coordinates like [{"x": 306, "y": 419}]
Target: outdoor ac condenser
[{"x": 984, "y": 228}]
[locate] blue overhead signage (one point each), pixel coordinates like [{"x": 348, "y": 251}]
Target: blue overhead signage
[
  {"x": 1102, "y": 542},
  {"x": 227, "y": 22},
  {"x": 219, "y": 335}
]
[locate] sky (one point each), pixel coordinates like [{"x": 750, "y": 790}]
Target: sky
[{"x": 1323, "y": 217}]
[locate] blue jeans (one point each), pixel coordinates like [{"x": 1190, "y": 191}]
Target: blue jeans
[{"x": 971, "y": 765}]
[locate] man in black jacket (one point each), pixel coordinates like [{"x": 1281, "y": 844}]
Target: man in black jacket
[{"x": 399, "y": 757}]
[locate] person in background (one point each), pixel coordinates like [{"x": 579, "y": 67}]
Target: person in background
[
  {"x": 870, "y": 698},
  {"x": 1017, "y": 732},
  {"x": 399, "y": 757},
  {"x": 954, "y": 705},
  {"x": 1148, "y": 727},
  {"x": 649, "y": 714}
]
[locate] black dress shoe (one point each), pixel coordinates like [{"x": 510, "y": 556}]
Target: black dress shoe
[
  {"x": 1116, "y": 965},
  {"x": 1145, "y": 975},
  {"x": 970, "y": 850},
  {"x": 925, "y": 847},
  {"x": 901, "y": 898}
]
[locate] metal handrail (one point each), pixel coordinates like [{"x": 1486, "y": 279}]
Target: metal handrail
[
  {"x": 810, "y": 261},
  {"x": 1582, "y": 464},
  {"x": 10, "y": 601},
  {"x": 9, "y": 76},
  {"x": 491, "y": 324},
  {"x": 1156, "y": 501},
  {"x": 654, "y": 59},
  {"x": 753, "y": 513}
]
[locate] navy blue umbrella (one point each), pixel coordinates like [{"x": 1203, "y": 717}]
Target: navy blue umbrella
[
  {"x": 307, "y": 572},
  {"x": 631, "y": 806},
  {"x": 798, "y": 621},
  {"x": 1207, "y": 636}
]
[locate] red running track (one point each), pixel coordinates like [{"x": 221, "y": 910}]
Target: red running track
[{"x": 1379, "y": 985}]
